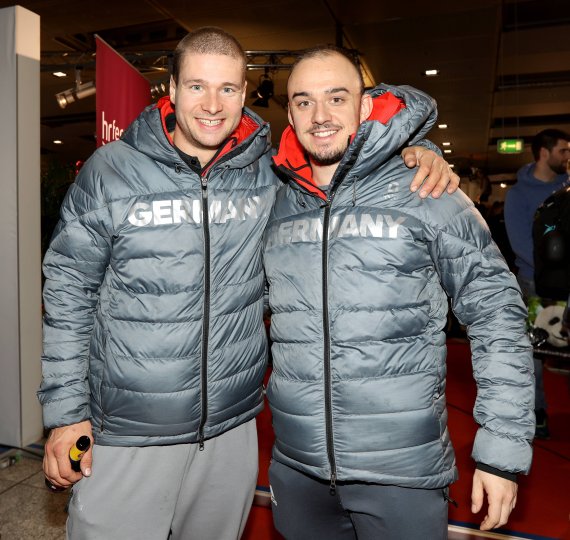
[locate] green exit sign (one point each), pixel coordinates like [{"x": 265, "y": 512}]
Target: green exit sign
[{"x": 510, "y": 146}]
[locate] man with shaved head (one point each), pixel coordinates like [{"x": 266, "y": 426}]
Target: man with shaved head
[{"x": 359, "y": 271}]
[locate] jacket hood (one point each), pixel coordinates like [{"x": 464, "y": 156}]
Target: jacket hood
[
  {"x": 401, "y": 115},
  {"x": 525, "y": 175},
  {"x": 155, "y": 141}
]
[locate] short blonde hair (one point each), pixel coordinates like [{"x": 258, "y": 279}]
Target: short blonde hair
[{"x": 207, "y": 40}]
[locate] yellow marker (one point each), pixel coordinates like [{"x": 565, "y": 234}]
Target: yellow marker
[{"x": 77, "y": 450}]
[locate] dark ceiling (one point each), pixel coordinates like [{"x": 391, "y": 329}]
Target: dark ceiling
[{"x": 504, "y": 66}]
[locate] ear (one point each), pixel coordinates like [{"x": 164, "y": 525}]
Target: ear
[
  {"x": 366, "y": 107},
  {"x": 289, "y": 117},
  {"x": 243, "y": 93},
  {"x": 172, "y": 91}
]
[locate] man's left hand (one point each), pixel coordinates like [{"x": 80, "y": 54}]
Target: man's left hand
[
  {"x": 433, "y": 172},
  {"x": 501, "y": 498}
]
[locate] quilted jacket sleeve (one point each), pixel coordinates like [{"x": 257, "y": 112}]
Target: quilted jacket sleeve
[
  {"x": 74, "y": 268},
  {"x": 486, "y": 298}
]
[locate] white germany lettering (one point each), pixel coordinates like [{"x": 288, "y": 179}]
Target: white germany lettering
[{"x": 169, "y": 212}]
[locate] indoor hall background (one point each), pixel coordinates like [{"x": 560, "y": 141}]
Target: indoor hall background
[
  {"x": 504, "y": 71},
  {"x": 504, "y": 65}
]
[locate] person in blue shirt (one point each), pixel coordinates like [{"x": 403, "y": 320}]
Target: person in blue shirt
[{"x": 535, "y": 183}]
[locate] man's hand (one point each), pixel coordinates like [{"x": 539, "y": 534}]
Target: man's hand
[
  {"x": 501, "y": 498},
  {"x": 435, "y": 168},
  {"x": 57, "y": 467}
]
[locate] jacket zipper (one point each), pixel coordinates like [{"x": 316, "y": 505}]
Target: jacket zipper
[
  {"x": 327, "y": 337},
  {"x": 206, "y": 317},
  {"x": 337, "y": 180},
  {"x": 103, "y": 377},
  {"x": 327, "y": 350}
]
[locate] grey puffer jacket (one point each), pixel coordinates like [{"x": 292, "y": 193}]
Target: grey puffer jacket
[
  {"x": 357, "y": 286},
  {"x": 154, "y": 289}
]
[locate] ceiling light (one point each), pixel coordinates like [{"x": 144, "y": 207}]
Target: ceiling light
[
  {"x": 442, "y": 126},
  {"x": 452, "y": 166},
  {"x": 503, "y": 185},
  {"x": 79, "y": 91},
  {"x": 431, "y": 72},
  {"x": 447, "y": 151},
  {"x": 159, "y": 89},
  {"x": 264, "y": 92},
  {"x": 73, "y": 94},
  {"x": 59, "y": 74},
  {"x": 57, "y": 141},
  {"x": 446, "y": 143}
]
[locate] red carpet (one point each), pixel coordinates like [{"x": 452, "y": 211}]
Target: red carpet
[{"x": 543, "y": 505}]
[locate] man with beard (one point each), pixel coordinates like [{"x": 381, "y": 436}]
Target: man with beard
[
  {"x": 358, "y": 270},
  {"x": 535, "y": 183},
  {"x": 154, "y": 343}
]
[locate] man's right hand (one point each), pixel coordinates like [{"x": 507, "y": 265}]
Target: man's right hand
[{"x": 57, "y": 467}]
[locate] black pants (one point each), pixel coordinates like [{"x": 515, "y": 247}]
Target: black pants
[{"x": 303, "y": 508}]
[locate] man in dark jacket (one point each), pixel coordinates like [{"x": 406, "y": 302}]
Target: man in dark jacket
[
  {"x": 154, "y": 343},
  {"x": 358, "y": 271}
]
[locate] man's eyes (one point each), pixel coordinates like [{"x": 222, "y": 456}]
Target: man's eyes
[
  {"x": 335, "y": 100},
  {"x": 200, "y": 88}
]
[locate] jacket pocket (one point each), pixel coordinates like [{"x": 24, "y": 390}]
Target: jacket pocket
[{"x": 103, "y": 380}]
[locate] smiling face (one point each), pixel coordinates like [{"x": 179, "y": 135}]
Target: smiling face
[
  {"x": 326, "y": 106},
  {"x": 208, "y": 101}
]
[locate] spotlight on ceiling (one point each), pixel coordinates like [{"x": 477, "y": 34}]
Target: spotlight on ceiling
[
  {"x": 159, "y": 89},
  {"x": 79, "y": 91},
  {"x": 73, "y": 94},
  {"x": 264, "y": 91}
]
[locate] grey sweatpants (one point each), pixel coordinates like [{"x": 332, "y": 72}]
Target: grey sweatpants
[
  {"x": 145, "y": 493},
  {"x": 304, "y": 509}
]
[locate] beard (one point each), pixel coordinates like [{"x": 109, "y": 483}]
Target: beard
[
  {"x": 324, "y": 159},
  {"x": 327, "y": 156},
  {"x": 559, "y": 168}
]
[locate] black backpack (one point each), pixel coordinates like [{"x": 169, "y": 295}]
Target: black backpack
[{"x": 551, "y": 239}]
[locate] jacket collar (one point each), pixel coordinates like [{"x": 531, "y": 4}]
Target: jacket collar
[{"x": 293, "y": 159}]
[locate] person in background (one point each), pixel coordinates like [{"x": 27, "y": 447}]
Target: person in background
[
  {"x": 154, "y": 343},
  {"x": 358, "y": 270},
  {"x": 535, "y": 182}
]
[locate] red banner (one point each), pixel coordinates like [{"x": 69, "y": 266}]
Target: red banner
[{"x": 122, "y": 93}]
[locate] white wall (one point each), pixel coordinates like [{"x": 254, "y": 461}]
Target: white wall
[{"x": 20, "y": 223}]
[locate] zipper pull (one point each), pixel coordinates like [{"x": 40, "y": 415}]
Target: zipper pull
[
  {"x": 201, "y": 443},
  {"x": 332, "y": 487},
  {"x": 449, "y": 500}
]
